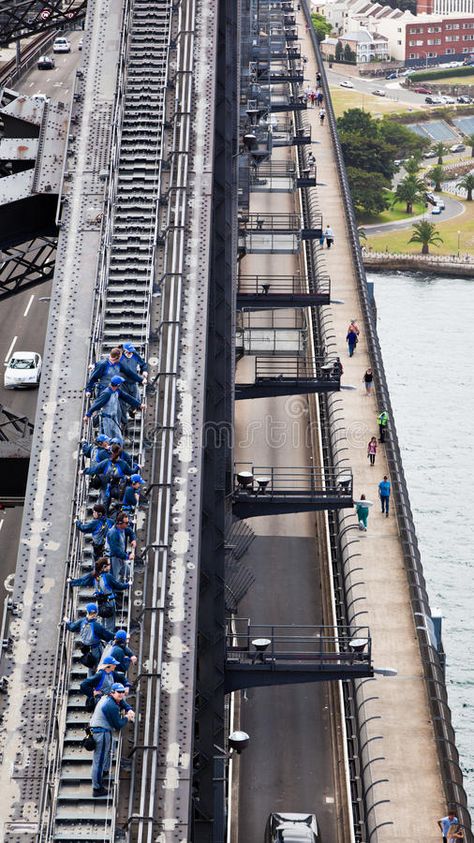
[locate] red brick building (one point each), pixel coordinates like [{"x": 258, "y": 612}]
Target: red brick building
[{"x": 439, "y": 37}]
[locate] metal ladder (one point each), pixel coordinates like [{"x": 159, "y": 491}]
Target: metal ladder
[{"x": 125, "y": 315}]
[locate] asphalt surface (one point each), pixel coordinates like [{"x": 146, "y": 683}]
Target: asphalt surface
[
  {"x": 453, "y": 209},
  {"x": 24, "y": 317},
  {"x": 392, "y": 87}
]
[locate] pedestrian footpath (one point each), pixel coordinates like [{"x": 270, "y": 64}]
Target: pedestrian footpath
[{"x": 408, "y": 745}]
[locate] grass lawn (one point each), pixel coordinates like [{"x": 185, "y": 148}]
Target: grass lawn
[
  {"x": 397, "y": 241},
  {"x": 345, "y": 98},
  {"x": 398, "y": 212}
]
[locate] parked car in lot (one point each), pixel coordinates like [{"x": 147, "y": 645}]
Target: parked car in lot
[
  {"x": 464, "y": 100},
  {"x": 430, "y": 154},
  {"x": 421, "y": 90},
  {"x": 457, "y": 147},
  {"x": 391, "y": 76},
  {"x": 61, "y": 45},
  {"x": 23, "y": 369},
  {"x": 379, "y": 92},
  {"x": 433, "y": 100},
  {"x": 46, "y": 63},
  {"x": 292, "y": 828},
  {"x": 436, "y": 210},
  {"x": 346, "y": 83},
  {"x": 448, "y": 100}
]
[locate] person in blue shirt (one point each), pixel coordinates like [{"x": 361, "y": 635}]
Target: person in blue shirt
[
  {"x": 119, "y": 650},
  {"x": 116, "y": 544},
  {"x": 448, "y": 824},
  {"x": 131, "y": 497},
  {"x": 110, "y": 715},
  {"x": 100, "y": 683},
  {"x": 113, "y": 473},
  {"x": 97, "y": 528},
  {"x": 103, "y": 372},
  {"x": 108, "y": 404},
  {"x": 384, "y": 494},
  {"x": 134, "y": 369},
  {"x": 105, "y": 587},
  {"x": 91, "y": 635},
  {"x": 98, "y": 450},
  {"x": 126, "y": 456}
]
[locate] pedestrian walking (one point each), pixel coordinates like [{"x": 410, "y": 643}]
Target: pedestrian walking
[
  {"x": 105, "y": 587},
  {"x": 448, "y": 823},
  {"x": 362, "y": 510},
  {"x": 108, "y": 404},
  {"x": 318, "y": 79},
  {"x": 382, "y": 421},
  {"x": 119, "y": 537},
  {"x": 100, "y": 683},
  {"x": 97, "y": 528},
  {"x": 91, "y": 636},
  {"x": 131, "y": 497},
  {"x": 372, "y": 450},
  {"x": 322, "y": 115},
  {"x": 110, "y": 715},
  {"x": 368, "y": 380},
  {"x": 320, "y": 98},
  {"x": 351, "y": 340},
  {"x": 329, "y": 236},
  {"x": 353, "y": 326},
  {"x": 384, "y": 494}
]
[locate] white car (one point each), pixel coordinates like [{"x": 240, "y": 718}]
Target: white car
[
  {"x": 346, "y": 83},
  {"x": 23, "y": 369},
  {"x": 61, "y": 45},
  {"x": 436, "y": 210},
  {"x": 440, "y": 203}
]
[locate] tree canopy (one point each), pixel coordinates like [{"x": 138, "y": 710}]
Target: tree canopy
[
  {"x": 368, "y": 190},
  {"x": 427, "y": 234},
  {"x": 321, "y": 26}
]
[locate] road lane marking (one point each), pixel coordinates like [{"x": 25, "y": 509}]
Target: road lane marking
[
  {"x": 29, "y": 305},
  {"x": 1, "y": 524},
  {"x": 10, "y": 349}
]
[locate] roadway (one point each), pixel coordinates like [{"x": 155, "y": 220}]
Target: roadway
[
  {"x": 453, "y": 209},
  {"x": 393, "y": 88},
  {"x": 24, "y": 318}
]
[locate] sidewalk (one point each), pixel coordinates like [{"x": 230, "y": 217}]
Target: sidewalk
[{"x": 408, "y": 756}]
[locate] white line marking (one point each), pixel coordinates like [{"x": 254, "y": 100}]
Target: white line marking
[
  {"x": 10, "y": 349},
  {"x": 1, "y": 524},
  {"x": 29, "y": 305}
]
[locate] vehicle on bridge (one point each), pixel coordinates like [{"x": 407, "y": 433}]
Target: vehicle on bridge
[
  {"x": 22, "y": 370},
  {"x": 46, "y": 63},
  {"x": 61, "y": 45},
  {"x": 292, "y": 828}
]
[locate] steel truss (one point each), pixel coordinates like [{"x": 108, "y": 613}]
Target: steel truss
[
  {"x": 25, "y": 266},
  {"x": 22, "y": 18}
]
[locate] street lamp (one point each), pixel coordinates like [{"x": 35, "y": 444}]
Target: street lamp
[{"x": 459, "y": 241}]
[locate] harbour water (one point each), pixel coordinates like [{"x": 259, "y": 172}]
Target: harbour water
[{"x": 424, "y": 325}]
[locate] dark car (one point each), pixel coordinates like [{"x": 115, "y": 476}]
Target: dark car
[
  {"x": 464, "y": 100},
  {"x": 391, "y": 76},
  {"x": 292, "y": 828},
  {"x": 431, "y": 198},
  {"x": 46, "y": 63}
]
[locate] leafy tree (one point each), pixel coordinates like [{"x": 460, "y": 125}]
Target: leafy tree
[
  {"x": 467, "y": 183},
  {"x": 436, "y": 174},
  {"x": 339, "y": 51},
  {"x": 407, "y": 142},
  {"x": 367, "y": 153},
  {"x": 349, "y": 54},
  {"x": 470, "y": 141},
  {"x": 359, "y": 122},
  {"x": 362, "y": 234},
  {"x": 412, "y": 166},
  {"x": 410, "y": 190},
  {"x": 427, "y": 234},
  {"x": 368, "y": 190},
  {"x": 440, "y": 150},
  {"x": 321, "y": 26}
]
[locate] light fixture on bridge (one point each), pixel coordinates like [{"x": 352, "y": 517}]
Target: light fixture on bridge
[
  {"x": 238, "y": 741},
  {"x": 262, "y": 483},
  {"x": 385, "y": 671},
  {"x": 245, "y": 479}
]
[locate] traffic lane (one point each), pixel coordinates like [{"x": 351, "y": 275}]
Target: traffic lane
[
  {"x": 393, "y": 89},
  {"x": 288, "y": 765},
  {"x": 10, "y": 528},
  {"x": 24, "y": 318},
  {"x": 56, "y": 83},
  {"x": 453, "y": 209}
]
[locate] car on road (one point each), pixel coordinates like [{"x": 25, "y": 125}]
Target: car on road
[
  {"x": 464, "y": 100},
  {"x": 346, "y": 83},
  {"x": 379, "y": 92},
  {"x": 292, "y": 828},
  {"x": 46, "y": 63},
  {"x": 431, "y": 198},
  {"x": 436, "y": 210},
  {"x": 440, "y": 203},
  {"x": 448, "y": 100},
  {"x": 22, "y": 369},
  {"x": 391, "y": 76},
  {"x": 430, "y": 154},
  {"x": 422, "y": 90},
  {"x": 457, "y": 147},
  {"x": 433, "y": 100},
  {"x": 80, "y": 43},
  {"x": 61, "y": 45}
]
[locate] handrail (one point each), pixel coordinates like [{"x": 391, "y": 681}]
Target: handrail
[
  {"x": 453, "y": 784},
  {"x": 10, "y": 73}
]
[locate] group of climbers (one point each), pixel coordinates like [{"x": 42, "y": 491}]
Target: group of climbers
[{"x": 114, "y": 386}]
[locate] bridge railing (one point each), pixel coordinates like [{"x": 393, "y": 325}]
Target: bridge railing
[{"x": 436, "y": 688}]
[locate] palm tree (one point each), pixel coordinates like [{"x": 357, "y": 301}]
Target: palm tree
[
  {"x": 410, "y": 190},
  {"x": 362, "y": 234},
  {"x": 436, "y": 175},
  {"x": 440, "y": 150},
  {"x": 427, "y": 234},
  {"x": 412, "y": 166},
  {"x": 467, "y": 183},
  {"x": 470, "y": 141}
]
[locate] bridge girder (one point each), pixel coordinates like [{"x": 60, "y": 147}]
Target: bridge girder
[{"x": 23, "y": 18}]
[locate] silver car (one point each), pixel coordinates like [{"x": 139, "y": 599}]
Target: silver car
[{"x": 292, "y": 828}]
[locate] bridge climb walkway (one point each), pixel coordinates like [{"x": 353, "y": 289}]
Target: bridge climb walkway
[{"x": 412, "y": 798}]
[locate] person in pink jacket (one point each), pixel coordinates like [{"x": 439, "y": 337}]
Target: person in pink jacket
[{"x": 372, "y": 450}]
